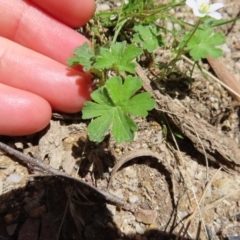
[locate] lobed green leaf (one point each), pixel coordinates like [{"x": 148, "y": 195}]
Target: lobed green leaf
[
  {"x": 83, "y": 55},
  {"x": 114, "y": 103},
  {"x": 205, "y": 43},
  {"x": 119, "y": 57},
  {"x": 140, "y": 104},
  {"x": 148, "y": 37}
]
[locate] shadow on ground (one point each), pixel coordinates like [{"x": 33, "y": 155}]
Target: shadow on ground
[{"x": 39, "y": 212}]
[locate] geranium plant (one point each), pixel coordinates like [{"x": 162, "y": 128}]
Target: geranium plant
[{"x": 135, "y": 35}]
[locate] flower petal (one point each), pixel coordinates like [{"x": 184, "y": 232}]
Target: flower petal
[
  {"x": 214, "y": 7},
  {"x": 200, "y": 2},
  {"x": 197, "y": 13},
  {"x": 191, "y": 3},
  {"x": 215, "y": 15}
]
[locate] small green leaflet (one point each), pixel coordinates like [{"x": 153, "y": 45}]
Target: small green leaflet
[
  {"x": 120, "y": 57},
  {"x": 205, "y": 43},
  {"x": 113, "y": 104},
  {"x": 83, "y": 55},
  {"x": 148, "y": 37}
]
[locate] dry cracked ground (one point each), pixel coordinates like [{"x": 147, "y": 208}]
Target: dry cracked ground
[{"x": 171, "y": 187}]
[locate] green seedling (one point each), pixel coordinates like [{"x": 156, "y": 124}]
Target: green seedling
[
  {"x": 115, "y": 102},
  {"x": 113, "y": 105},
  {"x": 133, "y": 34}
]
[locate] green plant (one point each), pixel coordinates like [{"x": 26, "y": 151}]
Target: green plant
[
  {"x": 132, "y": 35},
  {"x": 118, "y": 58},
  {"x": 113, "y": 105},
  {"x": 115, "y": 101}
]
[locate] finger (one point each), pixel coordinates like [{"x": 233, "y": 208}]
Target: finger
[
  {"x": 30, "y": 27},
  {"x": 64, "y": 88},
  {"x": 22, "y": 113},
  {"x": 74, "y": 13}
]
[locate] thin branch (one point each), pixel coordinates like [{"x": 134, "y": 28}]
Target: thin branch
[{"x": 36, "y": 163}]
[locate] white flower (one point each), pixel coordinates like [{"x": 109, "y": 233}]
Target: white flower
[{"x": 202, "y": 8}]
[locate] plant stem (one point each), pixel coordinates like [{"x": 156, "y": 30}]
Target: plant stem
[
  {"x": 181, "y": 50},
  {"x": 120, "y": 25}
]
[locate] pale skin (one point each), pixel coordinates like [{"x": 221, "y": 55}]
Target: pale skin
[{"x": 36, "y": 39}]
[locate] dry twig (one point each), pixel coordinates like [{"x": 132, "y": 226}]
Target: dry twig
[{"x": 36, "y": 163}]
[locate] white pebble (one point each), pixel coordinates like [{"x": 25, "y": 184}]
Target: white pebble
[
  {"x": 14, "y": 178},
  {"x": 103, "y": 7},
  {"x": 225, "y": 48},
  {"x": 133, "y": 199},
  {"x": 159, "y": 137},
  {"x": 139, "y": 229}
]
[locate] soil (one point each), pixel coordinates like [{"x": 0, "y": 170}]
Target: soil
[{"x": 183, "y": 184}]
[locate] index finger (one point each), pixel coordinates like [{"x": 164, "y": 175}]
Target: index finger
[
  {"x": 74, "y": 13},
  {"x": 28, "y": 25}
]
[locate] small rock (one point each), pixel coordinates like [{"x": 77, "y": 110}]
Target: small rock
[
  {"x": 130, "y": 172},
  {"x": 129, "y": 230},
  {"x": 11, "y": 229},
  {"x": 137, "y": 145},
  {"x": 144, "y": 145},
  {"x": 182, "y": 214},
  {"x": 103, "y": 7},
  {"x": 139, "y": 229},
  {"x": 225, "y": 48},
  {"x": 14, "y": 178},
  {"x": 133, "y": 199},
  {"x": 133, "y": 187},
  {"x": 159, "y": 136},
  {"x": 146, "y": 216},
  {"x": 19, "y": 145},
  {"x": 8, "y": 218}
]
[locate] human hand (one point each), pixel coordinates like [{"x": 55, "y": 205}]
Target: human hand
[{"x": 36, "y": 39}]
